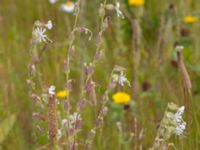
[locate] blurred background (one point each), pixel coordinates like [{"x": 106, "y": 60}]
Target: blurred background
[{"x": 162, "y": 25}]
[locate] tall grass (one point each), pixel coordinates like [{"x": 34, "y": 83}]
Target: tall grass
[{"x": 143, "y": 43}]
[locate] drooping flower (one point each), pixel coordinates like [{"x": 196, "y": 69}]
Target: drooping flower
[
  {"x": 136, "y": 2},
  {"x": 62, "y": 94},
  {"x": 119, "y": 12},
  {"x": 121, "y": 98},
  {"x": 69, "y": 6},
  {"x": 190, "y": 19}
]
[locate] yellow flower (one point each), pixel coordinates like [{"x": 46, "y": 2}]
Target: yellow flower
[
  {"x": 121, "y": 98},
  {"x": 69, "y": 3},
  {"x": 190, "y": 19},
  {"x": 136, "y": 2},
  {"x": 62, "y": 94}
]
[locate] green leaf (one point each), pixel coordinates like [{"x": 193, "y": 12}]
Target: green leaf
[{"x": 6, "y": 126}]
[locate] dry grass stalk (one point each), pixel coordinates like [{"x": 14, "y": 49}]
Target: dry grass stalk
[
  {"x": 53, "y": 126},
  {"x": 185, "y": 78},
  {"x": 136, "y": 60},
  {"x": 135, "y": 41}
]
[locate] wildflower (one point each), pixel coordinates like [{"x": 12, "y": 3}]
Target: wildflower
[
  {"x": 136, "y": 2},
  {"x": 190, "y": 19},
  {"x": 62, "y": 94},
  {"x": 52, "y": 1},
  {"x": 74, "y": 117},
  {"x": 49, "y": 25},
  {"x": 40, "y": 36},
  {"x": 119, "y": 12},
  {"x": 121, "y": 79},
  {"x": 51, "y": 90},
  {"x": 178, "y": 115},
  {"x": 121, "y": 98},
  {"x": 69, "y": 6},
  {"x": 180, "y": 128},
  {"x": 180, "y": 124}
]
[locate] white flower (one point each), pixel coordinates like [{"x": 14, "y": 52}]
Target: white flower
[
  {"x": 180, "y": 128},
  {"x": 40, "y": 36},
  {"x": 119, "y": 12},
  {"x": 180, "y": 124},
  {"x": 73, "y": 118},
  {"x": 68, "y": 6},
  {"x": 49, "y": 25},
  {"x": 121, "y": 79},
  {"x": 52, "y": 1},
  {"x": 180, "y": 110},
  {"x": 51, "y": 90},
  {"x": 178, "y": 115}
]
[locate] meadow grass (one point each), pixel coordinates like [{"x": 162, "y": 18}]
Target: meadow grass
[{"x": 152, "y": 71}]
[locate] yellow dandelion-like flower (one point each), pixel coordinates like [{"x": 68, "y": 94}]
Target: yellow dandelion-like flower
[
  {"x": 136, "y": 2},
  {"x": 121, "y": 98},
  {"x": 190, "y": 19},
  {"x": 62, "y": 94}
]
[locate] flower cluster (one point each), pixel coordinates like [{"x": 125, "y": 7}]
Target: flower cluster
[
  {"x": 172, "y": 123},
  {"x": 119, "y": 77},
  {"x": 180, "y": 124},
  {"x": 72, "y": 124}
]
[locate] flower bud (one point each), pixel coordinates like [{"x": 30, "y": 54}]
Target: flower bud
[{"x": 110, "y": 7}]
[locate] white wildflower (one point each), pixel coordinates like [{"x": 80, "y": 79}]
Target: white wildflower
[
  {"x": 74, "y": 117},
  {"x": 68, "y": 6},
  {"x": 178, "y": 115},
  {"x": 40, "y": 36},
  {"x": 180, "y": 128},
  {"x": 52, "y": 1},
  {"x": 51, "y": 90},
  {"x": 49, "y": 25},
  {"x": 121, "y": 79},
  {"x": 180, "y": 124},
  {"x": 119, "y": 12}
]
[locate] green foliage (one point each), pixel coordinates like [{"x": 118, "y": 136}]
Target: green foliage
[{"x": 6, "y": 126}]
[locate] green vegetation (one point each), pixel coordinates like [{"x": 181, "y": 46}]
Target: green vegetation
[{"x": 142, "y": 47}]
